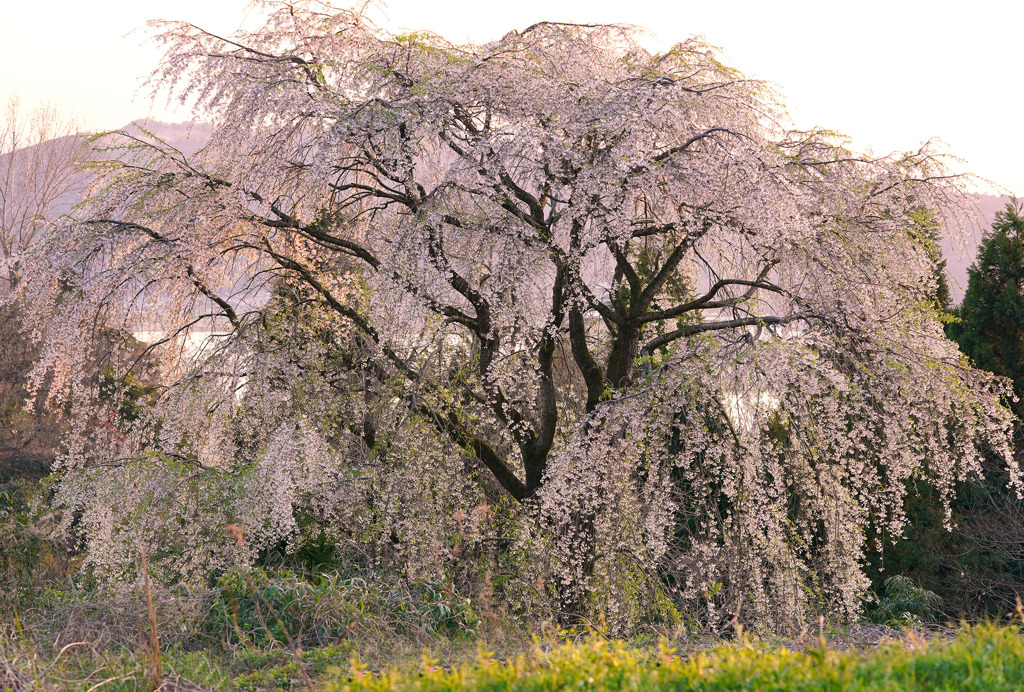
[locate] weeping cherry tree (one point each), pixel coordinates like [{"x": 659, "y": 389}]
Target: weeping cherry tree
[{"x": 606, "y": 308}]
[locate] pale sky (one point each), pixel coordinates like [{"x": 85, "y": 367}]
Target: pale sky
[{"x": 887, "y": 73}]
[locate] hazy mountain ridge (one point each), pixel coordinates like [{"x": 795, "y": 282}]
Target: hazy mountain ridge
[
  {"x": 188, "y": 138},
  {"x": 959, "y": 253}
]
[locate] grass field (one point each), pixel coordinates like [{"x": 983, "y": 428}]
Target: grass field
[{"x": 983, "y": 658}]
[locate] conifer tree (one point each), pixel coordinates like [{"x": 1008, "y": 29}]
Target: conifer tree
[
  {"x": 991, "y": 326},
  {"x": 977, "y": 568}
]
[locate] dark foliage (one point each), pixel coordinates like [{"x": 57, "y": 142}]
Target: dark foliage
[{"x": 977, "y": 566}]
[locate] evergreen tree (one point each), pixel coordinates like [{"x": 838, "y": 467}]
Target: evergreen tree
[
  {"x": 978, "y": 568},
  {"x": 991, "y": 326}
]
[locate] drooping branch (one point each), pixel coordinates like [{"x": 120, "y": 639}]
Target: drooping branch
[
  {"x": 450, "y": 425},
  {"x": 488, "y": 340},
  {"x": 190, "y": 273},
  {"x": 710, "y": 133},
  {"x": 706, "y": 302},
  {"x": 692, "y": 329},
  {"x": 448, "y": 422}
]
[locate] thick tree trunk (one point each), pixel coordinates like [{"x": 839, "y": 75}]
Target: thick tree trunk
[{"x": 625, "y": 347}]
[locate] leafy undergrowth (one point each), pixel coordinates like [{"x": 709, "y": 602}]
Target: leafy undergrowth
[
  {"x": 980, "y": 658},
  {"x": 253, "y": 631},
  {"x": 263, "y": 629}
]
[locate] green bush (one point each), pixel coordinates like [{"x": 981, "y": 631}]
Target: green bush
[
  {"x": 30, "y": 555},
  {"x": 975, "y": 564},
  {"x": 904, "y": 602},
  {"x": 256, "y": 607}
]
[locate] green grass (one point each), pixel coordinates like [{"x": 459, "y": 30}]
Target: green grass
[{"x": 984, "y": 658}]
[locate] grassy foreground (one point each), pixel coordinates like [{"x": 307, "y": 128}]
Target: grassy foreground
[{"x": 984, "y": 658}]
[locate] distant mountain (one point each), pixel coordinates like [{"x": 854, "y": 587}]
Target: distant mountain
[
  {"x": 959, "y": 258},
  {"x": 188, "y": 138}
]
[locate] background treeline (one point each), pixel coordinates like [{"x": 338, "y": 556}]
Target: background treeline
[{"x": 977, "y": 568}]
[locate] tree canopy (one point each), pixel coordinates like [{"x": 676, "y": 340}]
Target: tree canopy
[{"x": 604, "y": 307}]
